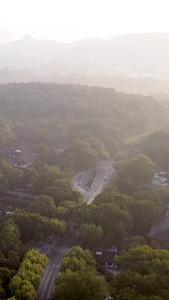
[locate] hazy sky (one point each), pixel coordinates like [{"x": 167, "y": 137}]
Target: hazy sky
[{"x": 70, "y": 20}]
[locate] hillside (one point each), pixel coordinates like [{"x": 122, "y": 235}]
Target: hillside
[{"x": 44, "y": 112}]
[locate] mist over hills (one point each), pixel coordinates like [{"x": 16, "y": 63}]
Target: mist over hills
[{"x": 132, "y": 63}]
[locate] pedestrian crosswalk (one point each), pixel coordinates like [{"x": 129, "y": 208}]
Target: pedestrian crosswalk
[{"x": 59, "y": 249}]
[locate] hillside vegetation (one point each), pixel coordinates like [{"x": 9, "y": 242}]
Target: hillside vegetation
[
  {"x": 50, "y": 109},
  {"x": 68, "y": 128}
]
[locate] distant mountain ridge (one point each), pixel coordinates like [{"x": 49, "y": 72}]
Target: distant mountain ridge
[{"x": 131, "y": 56}]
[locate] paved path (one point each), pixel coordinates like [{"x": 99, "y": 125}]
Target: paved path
[
  {"x": 104, "y": 171},
  {"x": 57, "y": 250}
]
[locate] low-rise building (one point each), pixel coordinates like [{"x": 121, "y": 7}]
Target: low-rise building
[
  {"x": 23, "y": 161},
  {"x": 106, "y": 257},
  {"x": 159, "y": 234}
]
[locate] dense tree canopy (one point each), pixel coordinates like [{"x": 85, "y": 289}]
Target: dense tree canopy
[
  {"x": 156, "y": 146},
  {"x": 51, "y": 114},
  {"x": 76, "y": 259},
  {"x": 133, "y": 173},
  {"x": 92, "y": 234},
  {"x": 44, "y": 205},
  {"x": 9, "y": 176},
  {"x": 145, "y": 276},
  {"x": 107, "y": 217},
  {"x": 69, "y": 128},
  {"x": 34, "y": 227},
  {"x": 9, "y": 245},
  {"x": 139, "y": 169},
  {"x": 25, "y": 284},
  {"x": 78, "y": 278}
]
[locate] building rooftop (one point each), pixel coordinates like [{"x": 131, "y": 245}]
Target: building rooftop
[{"x": 160, "y": 230}]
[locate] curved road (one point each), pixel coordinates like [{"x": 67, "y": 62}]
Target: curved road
[{"x": 104, "y": 171}]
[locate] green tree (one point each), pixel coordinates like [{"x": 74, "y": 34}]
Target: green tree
[
  {"x": 140, "y": 169},
  {"x": 41, "y": 150},
  {"x": 156, "y": 147},
  {"x": 13, "y": 260},
  {"x": 36, "y": 258},
  {"x": 77, "y": 260},
  {"x": 2, "y": 291},
  {"x": 99, "y": 147},
  {"x": 126, "y": 185},
  {"x": 82, "y": 213},
  {"x": 148, "y": 194},
  {"x": 144, "y": 213},
  {"x": 22, "y": 289},
  {"x": 124, "y": 202},
  {"x": 73, "y": 263},
  {"x": 11, "y": 175},
  {"x": 2, "y": 139},
  {"x": 5, "y": 276},
  {"x": 145, "y": 274},
  {"x": 164, "y": 196},
  {"x": 92, "y": 234},
  {"x": 144, "y": 260},
  {"x": 33, "y": 226},
  {"x": 57, "y": 226},
  {"x": 26, "y": 282},
  {"x": 44, "y": 205},
  {"x": 84, "y": 285},
  {"x": 43, "y": 177},
  {"x": 132, "y": 285},
  {"x": 78, "y": 253},
  {"x": 3, "y": 183},
  {"x": 62, "y": 190},
  {"x": 135, "y": 241},
  {"x": 10, "y": 240},
  {"x": 82, "y": 154}
]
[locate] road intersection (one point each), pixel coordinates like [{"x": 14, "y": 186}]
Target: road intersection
[
  {"x": 57, "y": 251},
  {"x": 61, "y": 244}
]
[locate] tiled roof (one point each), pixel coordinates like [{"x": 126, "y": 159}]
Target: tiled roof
[
  {"x": 24, "y": 149},
  {"x": 25, "y": 159},
  {"x": 106, "y": 255},
  {"x": 160, "y": 230},
  {"x": 160, "y": 236},
  {"x": 161, "y": 224}
]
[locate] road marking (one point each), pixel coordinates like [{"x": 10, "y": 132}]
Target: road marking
[
  {"x": 64, "y": 250},
  {"x": 58, "y": 266},
  {"x": 46, "y": 284},
  {"x": 80, "y": 243},
  {"x": 59, "y": 249}
]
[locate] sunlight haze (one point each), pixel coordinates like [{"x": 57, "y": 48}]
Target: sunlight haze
[{"x": 68, "y": 21}]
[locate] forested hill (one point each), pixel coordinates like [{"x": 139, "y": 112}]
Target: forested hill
[{"x": 43, "y": 111}]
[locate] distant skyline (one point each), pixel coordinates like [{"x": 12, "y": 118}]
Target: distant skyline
[{"x": 68, "y": 21}]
